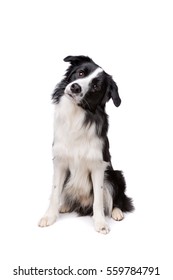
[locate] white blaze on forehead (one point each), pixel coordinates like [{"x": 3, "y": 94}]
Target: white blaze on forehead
[
  {"x": 84, "y": 82},
  {"x": 90, "y": 77}
]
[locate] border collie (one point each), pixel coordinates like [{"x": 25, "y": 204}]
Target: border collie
[{"x": 84, "y": 180}]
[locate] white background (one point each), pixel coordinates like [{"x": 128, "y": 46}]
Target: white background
[{"x": 132, "y": 40}]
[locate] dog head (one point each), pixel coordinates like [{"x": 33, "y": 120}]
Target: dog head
[{"x": 87, "y": 84}]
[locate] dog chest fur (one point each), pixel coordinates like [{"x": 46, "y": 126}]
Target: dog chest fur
[{"x": 72, "y": 139}]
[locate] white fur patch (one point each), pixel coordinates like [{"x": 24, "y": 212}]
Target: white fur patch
[{"x": 72, "y": 140}]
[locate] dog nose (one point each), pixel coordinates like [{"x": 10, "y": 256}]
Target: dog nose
[{"x": 75, "y": 88}]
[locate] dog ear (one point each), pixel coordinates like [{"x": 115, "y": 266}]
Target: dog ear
[
  {"x": 111, "y": 92},
  {"x": 114, "y": 93},
  {"x": 76, "y": 60}
]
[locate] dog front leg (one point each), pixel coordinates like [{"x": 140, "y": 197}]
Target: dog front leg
[
  {"x": 58, "y": 181},
  {"x": 100, "y": 224}
]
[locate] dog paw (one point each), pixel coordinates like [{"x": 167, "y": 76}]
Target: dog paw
[
  {"x": 64, "y": 209},
  {"x": 117, "y": 214},
  {"x": 102, "y": 227},
  {"x": 47, "y": 221}
]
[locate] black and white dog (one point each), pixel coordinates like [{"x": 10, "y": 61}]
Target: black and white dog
[{"x": 84, "y": 180}]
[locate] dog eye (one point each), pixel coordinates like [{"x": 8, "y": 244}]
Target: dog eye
[
  {"x": 81, "y": 73},
  {"x": 94, "y": 86}
]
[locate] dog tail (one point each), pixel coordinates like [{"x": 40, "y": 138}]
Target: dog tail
[
  {"x": 125, "y": 204},
  {"x": 120, "y": 199}
]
